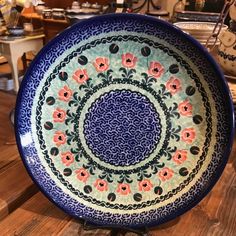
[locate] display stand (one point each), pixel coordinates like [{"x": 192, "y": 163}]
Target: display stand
[{"x": 116, "y": 231}]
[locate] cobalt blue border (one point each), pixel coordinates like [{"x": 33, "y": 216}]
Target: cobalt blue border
[{"x": 150, "y": 20}]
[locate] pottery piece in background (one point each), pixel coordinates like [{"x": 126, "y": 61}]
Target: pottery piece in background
[{"x": 227, "y": 47}]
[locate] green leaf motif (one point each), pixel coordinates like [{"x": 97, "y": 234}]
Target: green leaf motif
[
  {"x": 156, "y": 166},
  {"x": 127, "y": 73},
  {"x": 125, "y": 178},
  {"x": 174, "y": 133},
  {"x": 169, "y": 151},
  {"x": 143, "y": 174},
  {"x": 71, "y": 117},
  {"x": 147, "y": 80},
  {"x": 173, "y": 111},
  {"x": 90, "y": 167},
  {"x": 77, "y": 154},
  {"x": 75, "y": 100},
  {"x": 107, "y": 176},
  {"x": 163, "y": 93},
  {"x": 87, "y": 86},
  {"x": 106, "y": 77},
  {"x": 71, "y": 137},
  {"x": 130, "y": 73}
]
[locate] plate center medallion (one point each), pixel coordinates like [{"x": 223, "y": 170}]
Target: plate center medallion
[{"x": 122, "y": 127}]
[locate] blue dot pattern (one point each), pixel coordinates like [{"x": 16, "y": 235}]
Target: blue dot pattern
[{"x": 122, "y": 127}]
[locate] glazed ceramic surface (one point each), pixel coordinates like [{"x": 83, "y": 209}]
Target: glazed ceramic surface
[
  {"x": 200, "y": 31},
  {"x": 123, "y": 120},
  {"x": 227, "y": 48},
  {"x": 201, "y": 28}
]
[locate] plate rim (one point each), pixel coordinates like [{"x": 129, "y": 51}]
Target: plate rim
[{"x": 177, "y": 30}]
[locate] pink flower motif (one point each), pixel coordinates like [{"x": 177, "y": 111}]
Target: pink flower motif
[
  {"x": 101, "y": 64},
  {"x": 65, "y": 93},
  {"x": 129, "y": 60},
  {"x": 59, "y": 138},
  {"x": 82, "y": 174},
  {"x": 80, "y": 76},
  {"x": 173, "y": 85},
  {"x": 145, "y": 185},
  {"x": 101, "y": 185},
  {"x": 155, "y": 69},
  {"x": 185, "y": 108},
  {"x": 180, "y": 156},
  {"x": 123, "y": 189},
  {"x": 67, "y": 158},
  {"x": 188, "y": 135},
  {"x": 59, "y": 115},
  {"x": 165, "y": 174}
]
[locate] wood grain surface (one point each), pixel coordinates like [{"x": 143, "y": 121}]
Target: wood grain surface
[{"x": 25, "y": 211}]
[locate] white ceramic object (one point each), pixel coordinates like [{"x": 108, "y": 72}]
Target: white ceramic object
[
  {"x": 75, "y": 5},
  {"x": 58, "y": 13},
  {"x": 28, "y": 27},
  {"x": 15, "y": 31},
  {"x": 227, "y": 47},
  {"x": 200, "y": 31},
  {"x": 201, "y": 28}
]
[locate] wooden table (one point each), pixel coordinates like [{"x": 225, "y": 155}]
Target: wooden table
[
  {"x": 13, "y": 49},
  {"x": 25, "y": 211}
]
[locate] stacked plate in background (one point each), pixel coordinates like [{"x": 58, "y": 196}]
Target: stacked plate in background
[{"x": 200, "y": 30}]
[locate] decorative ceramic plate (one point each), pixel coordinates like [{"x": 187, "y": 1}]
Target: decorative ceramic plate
[{"x": 123, "y": 120}]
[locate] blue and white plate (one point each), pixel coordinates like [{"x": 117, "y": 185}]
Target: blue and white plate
[{"x": 123, "y": 120}]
